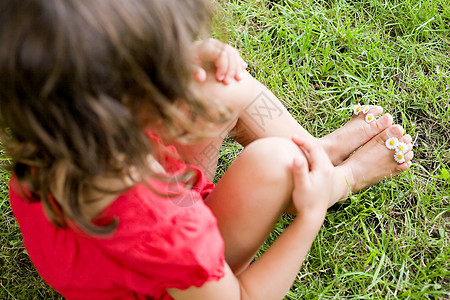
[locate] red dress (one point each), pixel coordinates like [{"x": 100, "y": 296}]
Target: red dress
[{"x": 160, "y": 243}]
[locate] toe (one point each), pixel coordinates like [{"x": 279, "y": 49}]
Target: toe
[
  {"x": 404, "y": 166},
  {"x": 409, "y": 156},
  {"x": 375, "y": 110},
  {"x": 392, "y": 131},
  {"x": 384, "y": 122},
  {"x": 378, "y": 126},
  {"x": 406, "y": 139},
  {"x": 395, "y": 131}
]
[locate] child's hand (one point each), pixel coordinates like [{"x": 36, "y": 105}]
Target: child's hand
[
  {"x": 226, "y": 59},
  {"x": 312, "y": 180}
]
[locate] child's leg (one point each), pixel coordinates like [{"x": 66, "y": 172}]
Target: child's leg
[
  {"x": 373, "y": 162},
  {"x": 258, "y": 185},
  {"x": 260, "y": 114},
  {"x": 251, "y": 195}
]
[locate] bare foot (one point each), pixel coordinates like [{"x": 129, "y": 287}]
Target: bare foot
[
  {"x": 342, "y": 142},
  {"x": 374, "y": 162}
]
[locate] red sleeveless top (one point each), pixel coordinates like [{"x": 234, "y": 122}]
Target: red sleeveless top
[{"x": 160, "y": 243}]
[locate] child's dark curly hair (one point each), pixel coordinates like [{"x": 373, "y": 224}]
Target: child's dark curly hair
[{"x": 80, "y": 80}]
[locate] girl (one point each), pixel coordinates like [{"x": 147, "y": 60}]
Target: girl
[{"x": 91, "y": 91}]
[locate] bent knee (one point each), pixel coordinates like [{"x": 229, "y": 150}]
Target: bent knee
[
  {"x": 274, "y": 146},
  {"x": 273, "y": 155},
  {"x": 236, "y": 96}
]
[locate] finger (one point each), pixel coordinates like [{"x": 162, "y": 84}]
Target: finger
[
  {"x": 200, "y": 74},
  {"x": 221, "y": 61},
  {"x": 300, "y": 170},
  {"x": 243, "y": 66},
  {"x": 236, "y": 65},
  {"x": 209, "y": 49},
  {"x": 229, "y": 73},
  {"x": 239, "y": 68},
  {"x": 243, "y": 63},
  {"x": 317, "y": 155},
  {"x": 221, "y": 64}
]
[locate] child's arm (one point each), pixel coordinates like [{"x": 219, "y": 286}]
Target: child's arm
[
  {"x": 271, "y": 276},
  {"x": 226, "y": 59}
]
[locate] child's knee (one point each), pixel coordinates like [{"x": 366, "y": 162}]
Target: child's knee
[
  {"x": 236, "y": 96},
  {"x": 273, "y": 156}
]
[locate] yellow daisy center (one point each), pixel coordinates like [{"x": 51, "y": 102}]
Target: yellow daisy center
[
  {"x": 370, "y": 118},
  {"x": 392, "y": 143},
  {"x": 400, "y": 147},
  {"x": 399, "y": 156}
]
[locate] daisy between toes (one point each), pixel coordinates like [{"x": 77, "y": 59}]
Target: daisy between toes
[
  {"x": 365, "y": 110},
  {"x": 400, "y": 148}
]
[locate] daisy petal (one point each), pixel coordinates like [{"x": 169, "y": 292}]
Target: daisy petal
[
  {"x": 370, "y": 118},
  {"x": 366, "y": 109},
  {"x": 399, "y": 157},
  {"x": 402, "y": 147},
  {"x": 357, "y": 109},
  {"x": 392, "y": 143}
]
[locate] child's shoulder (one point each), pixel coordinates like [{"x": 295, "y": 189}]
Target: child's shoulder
[
  {"x": 157, "y": 203},
  {"x": 148, "y": 209}
]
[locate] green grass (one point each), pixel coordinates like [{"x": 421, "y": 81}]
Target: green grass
[
  {"x": 18, "y": 277},
  {"x": 319, "y": 57}
]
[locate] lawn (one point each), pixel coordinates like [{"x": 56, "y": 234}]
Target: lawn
[{"x": 320, "y": 57}]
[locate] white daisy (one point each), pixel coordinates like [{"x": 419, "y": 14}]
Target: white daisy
[
  {"x": 399, "y": 157},
  {"x": 370, "y": 118},
  {"x": 402, "y": 147},
  {"x": 357, "y": 109},
  {"x": 366, "y": 109},
  {"x": 392, "y": 143}
]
